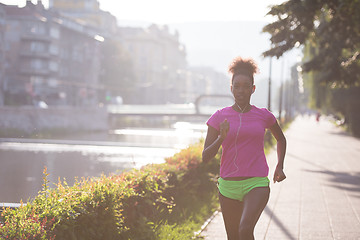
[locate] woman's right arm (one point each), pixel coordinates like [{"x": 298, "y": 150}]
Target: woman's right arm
[{"x": 213, "y": 141}]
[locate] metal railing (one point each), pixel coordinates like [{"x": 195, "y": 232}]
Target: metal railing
[{"x": 10, "y": 205}]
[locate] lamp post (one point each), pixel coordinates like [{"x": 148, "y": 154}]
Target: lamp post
[
  {"x": 281, "y": 89},
  {"x": 269, "y": 92}
]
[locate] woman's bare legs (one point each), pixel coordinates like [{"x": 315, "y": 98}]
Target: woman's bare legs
[
  {"x": 231, "y": 210},
  {"x": 254, "y": 203},
  {"x": 240, "y": 218}
]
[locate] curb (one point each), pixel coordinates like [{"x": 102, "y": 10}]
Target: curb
[{"x": 206, "y": 223}]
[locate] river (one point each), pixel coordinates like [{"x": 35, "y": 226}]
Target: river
[{"x": 23, "y": 160}]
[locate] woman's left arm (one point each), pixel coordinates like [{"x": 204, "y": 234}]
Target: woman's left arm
[{"x": 276, "y": 131}]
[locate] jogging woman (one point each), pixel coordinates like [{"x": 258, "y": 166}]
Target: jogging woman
[{"x": 243, "y": 183}]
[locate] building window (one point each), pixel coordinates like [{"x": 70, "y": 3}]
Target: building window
[
  {"x": 54, "y": 33},
  {"x": 38, "y": 28},
  {"x": 36, "y": 80},
  {"x": 54, "y": 49},
  {"x": 37, "y": 47},
  {"x": 64, "y": 53},
  {"x": 37, "y": 64},
  {"x": 64, "y": 72},
  {"x": 53, "y": 66},
  {"x": 52, "y": 82},
  {"x": 77, "y": 54}
]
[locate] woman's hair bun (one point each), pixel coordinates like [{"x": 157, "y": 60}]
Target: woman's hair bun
[{"x": 243, "y": 66}]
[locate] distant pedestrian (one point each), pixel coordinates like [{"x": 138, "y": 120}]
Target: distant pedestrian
[
  {"x": 243, "y": 184},
  {"x": 318, "y": 115}
]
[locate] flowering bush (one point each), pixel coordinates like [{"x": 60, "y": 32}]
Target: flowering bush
[
  {"x": 133, "y": 205},
  {"x": 186, "y": 159}
]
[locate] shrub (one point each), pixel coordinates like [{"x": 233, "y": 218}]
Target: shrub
[{"x": 150, "y": 203}]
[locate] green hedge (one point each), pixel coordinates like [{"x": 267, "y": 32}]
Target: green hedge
[{"x": 162, "y": 201}]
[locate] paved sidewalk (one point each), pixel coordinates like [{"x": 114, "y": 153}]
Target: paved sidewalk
[{"x": 320, "y": 199}]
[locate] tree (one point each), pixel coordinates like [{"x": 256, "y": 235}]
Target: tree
[
  {"x": 117, "y": 70},
  {"x": 330, "y": 32},
  {"x": 332, "y": 27}
]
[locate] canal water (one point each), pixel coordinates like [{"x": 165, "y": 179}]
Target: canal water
[{"x": 22, "y": 161}]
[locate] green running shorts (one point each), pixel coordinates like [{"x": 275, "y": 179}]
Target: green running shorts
[{"x": 238, "y": 189}]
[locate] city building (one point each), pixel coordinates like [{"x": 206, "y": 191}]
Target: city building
[
  {"x": 159, "y": 62},
  {"x": 207, "y": 81},
  {"x": 87, "y": 12},
  {"x": 58, "y": 56},
  {"x": 50, "y": 58}
]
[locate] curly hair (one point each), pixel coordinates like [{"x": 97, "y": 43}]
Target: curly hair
[{"x": 243, "y": 66}]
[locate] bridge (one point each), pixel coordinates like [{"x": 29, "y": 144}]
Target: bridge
[{"x": 171, "y": 110}]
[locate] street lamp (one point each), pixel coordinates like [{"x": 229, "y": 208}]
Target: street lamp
[
  {"x": 269, "y": 92},
  {"x": 281, "y": 89}
]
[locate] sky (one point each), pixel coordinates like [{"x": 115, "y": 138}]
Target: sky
[
  {"x": 213, "y": 31},
  {"x": 178, "y": 11},
  {"x": 206, "y": 28}
]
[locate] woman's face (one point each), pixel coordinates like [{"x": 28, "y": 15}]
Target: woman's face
[{"x": 242, "y": 88}]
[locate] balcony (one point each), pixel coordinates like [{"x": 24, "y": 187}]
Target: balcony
[
  {"x": 37, "y": 37},
  {"x": 34, "y": 71},
  {"x": 35, "y": 54}
]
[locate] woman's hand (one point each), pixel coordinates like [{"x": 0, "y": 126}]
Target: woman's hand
[
  {"x": 213, "y": 140},
  {"x": 279, "y": 174},
  {"x": 224, "y": 129}
]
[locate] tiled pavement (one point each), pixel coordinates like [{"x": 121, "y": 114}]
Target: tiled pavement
[{"x": 320, "y": 199}]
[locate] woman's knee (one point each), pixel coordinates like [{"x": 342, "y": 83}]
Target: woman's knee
[
  {"x": 232, "y": 236},
  {"x": 246, "y": 231}
]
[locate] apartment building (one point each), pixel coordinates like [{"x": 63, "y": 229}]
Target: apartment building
[
  {"x": 50, "y": 58},
  {"x": 56, "y": 55},
  {"x": 159, "y": 61},
  {"x": 207, "y": 81},
  {"x": 88, "y": 12}
]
